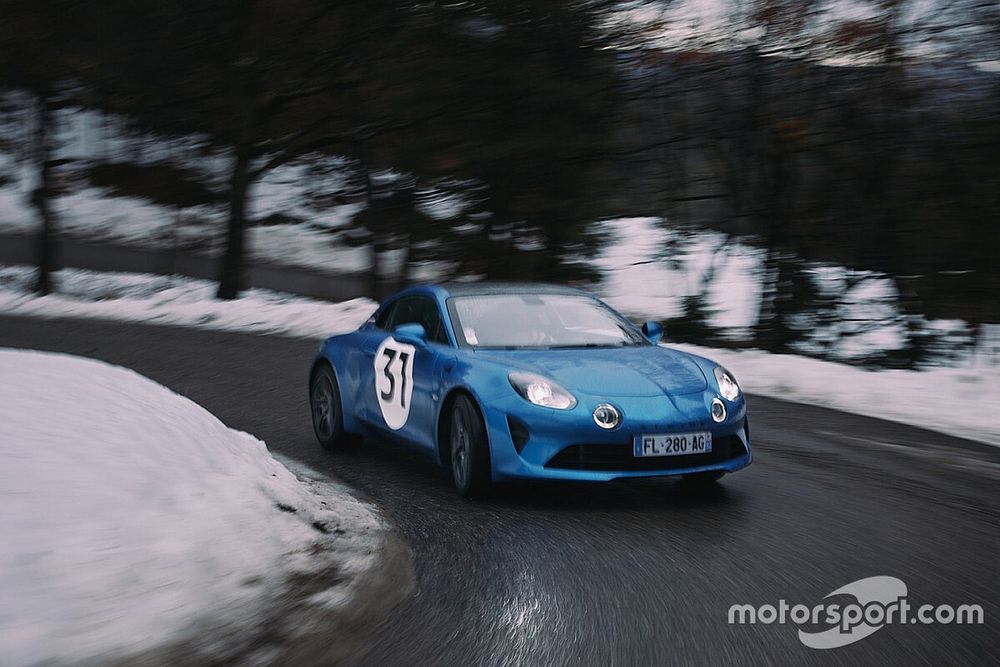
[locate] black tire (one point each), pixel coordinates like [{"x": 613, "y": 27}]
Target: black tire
[
  {"x": 469, "y": 448},
  {"x": 326, "y": 409},
  {"x": 702, "y": 480}
]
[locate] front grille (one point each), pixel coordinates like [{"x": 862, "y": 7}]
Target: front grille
[{"x": 619, "y": 458}]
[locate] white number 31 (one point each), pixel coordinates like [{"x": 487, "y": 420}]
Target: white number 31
[{"x": 394, "y": 381}]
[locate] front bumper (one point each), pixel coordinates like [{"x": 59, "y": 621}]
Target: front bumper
[{"x": 568, "y": 445}]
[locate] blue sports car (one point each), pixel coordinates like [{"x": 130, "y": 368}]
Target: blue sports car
[{"x": 513, "y": 381}]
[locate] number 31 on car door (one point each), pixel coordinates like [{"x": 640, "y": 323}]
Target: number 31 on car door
[{"x": 394, "y": 381}]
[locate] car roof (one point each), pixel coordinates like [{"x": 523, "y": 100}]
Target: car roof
[
  {"x": 443, "y": 291},
  {"x": 497, "y": 287}
]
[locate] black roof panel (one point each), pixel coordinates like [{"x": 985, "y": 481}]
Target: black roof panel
[{"x": 495, "y": 287}]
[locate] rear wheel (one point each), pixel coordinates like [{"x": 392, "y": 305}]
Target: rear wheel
[
  {"x": 469, "y": 448},
  {"x": 327, "y": 411}
]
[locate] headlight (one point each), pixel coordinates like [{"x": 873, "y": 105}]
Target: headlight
[
  {"x": 727, "y": 384},
  {"x": 541, "y": 391}
]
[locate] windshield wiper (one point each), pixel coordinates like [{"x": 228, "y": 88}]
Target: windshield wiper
[{"x": 583, "y": 346}]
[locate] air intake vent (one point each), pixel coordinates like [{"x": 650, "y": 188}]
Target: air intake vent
[
  {"x": 619, "y": 458},
  {"x": 518, "y": 433}
]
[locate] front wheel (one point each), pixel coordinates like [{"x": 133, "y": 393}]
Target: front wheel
[
  {"x": 470, "y": 449},
  {"x": 327, "y": 411}
]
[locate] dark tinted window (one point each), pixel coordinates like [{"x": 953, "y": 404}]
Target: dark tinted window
[
  {"x": 382, "y": 321},
  {"x": 419, "y": 310}
]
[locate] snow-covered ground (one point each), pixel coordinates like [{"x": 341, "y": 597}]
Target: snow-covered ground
[
  {"x": 955, "y": 401},
  {"x": 131, "y": 517},
  {"x": 150, "y": 299},
  {"x": 951, "y": 400}
]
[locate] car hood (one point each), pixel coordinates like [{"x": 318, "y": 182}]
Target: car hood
[{"x": 608, "y": 372}]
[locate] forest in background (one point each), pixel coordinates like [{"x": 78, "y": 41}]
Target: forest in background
[{"x": 490, "y": 136}]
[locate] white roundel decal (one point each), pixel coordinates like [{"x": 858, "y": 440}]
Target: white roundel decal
[{"x": 394, "y": 381}]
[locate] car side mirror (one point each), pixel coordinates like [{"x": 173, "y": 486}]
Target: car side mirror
[
  {"x": 411, "y": 334},
  {"x": 652, "y": 331}
]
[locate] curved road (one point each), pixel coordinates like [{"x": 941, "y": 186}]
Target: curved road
[{"x": 626, "y": 574}]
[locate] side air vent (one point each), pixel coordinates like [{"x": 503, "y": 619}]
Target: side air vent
[{"x": 518, "y": 433}]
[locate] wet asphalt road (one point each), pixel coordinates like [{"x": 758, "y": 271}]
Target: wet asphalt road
[{"x": 625, "y": 574}]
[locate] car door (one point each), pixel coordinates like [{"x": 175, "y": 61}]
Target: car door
[
  {"x": 370, "y": 337},
  {"x": 405, "y": 389}
]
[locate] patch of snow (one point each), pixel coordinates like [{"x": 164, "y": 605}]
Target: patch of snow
[
  {"x": 91, "y": 215},
  {"x": 149, "y": 299},
  {"x": 650, "y": 269},
  {"x": 131, "y": 517},
  {"x": 862, "y": 316},
  {"x": 286, "y": 190},
  {"x": 306, "y": 247},
  {"x": 950, "y": 400},
  {"x": 986, "y": 354},
  {"x": 15, "y": 215}
]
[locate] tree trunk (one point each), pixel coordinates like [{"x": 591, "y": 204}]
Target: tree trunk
[
  {"x": 771, "y": 332},
  {"x": 369, "y": 218},
  {"x": 402, "y": 278},
  {"x": 245, "y": 117},
  {"x": 42, "y": 193},
  {"x": 231, "y": 275},
  {"x": 374, "y": 269}
]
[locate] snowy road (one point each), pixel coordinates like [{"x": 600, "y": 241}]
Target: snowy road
[{"x": 626, "y": 574}]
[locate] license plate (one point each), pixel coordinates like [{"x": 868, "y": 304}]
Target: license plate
[{"x": 673, "y": 444}]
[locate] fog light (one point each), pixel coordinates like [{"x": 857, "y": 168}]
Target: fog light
[
  {"x": 607, "y": 416},
  {"x": 718, "y": 410}
]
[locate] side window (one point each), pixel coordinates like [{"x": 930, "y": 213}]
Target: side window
[
  {"x": 419, "y": 310},
  {"x": 385, "y": 317}
]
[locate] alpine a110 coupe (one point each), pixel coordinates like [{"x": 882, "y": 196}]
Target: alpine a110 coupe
[{"x": 502, "y": 382}]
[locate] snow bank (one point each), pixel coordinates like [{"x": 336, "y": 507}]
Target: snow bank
[
  {"x": 136, "y": 297},
  {"x": 958, "y": 401},
  {"x": 131, "y": 517}
]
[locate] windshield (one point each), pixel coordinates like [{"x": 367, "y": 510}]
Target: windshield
[{"x": 539, "y": 321}]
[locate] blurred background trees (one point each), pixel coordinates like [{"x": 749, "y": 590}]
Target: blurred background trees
[
  {"x": 490, "y": 138},
  {"x": 861, "y": 135}
]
